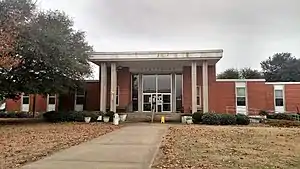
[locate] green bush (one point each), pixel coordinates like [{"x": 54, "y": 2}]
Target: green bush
[
  {"x": 197, "y": 117},
  {"x": 71, "y": 116},
  {"x": 280, "y": 116},
  {"x": 110, "y": 114},
  {"x": 242, "y": 119},
  {"x": 227, "y": 119},
  {"x": 282, "y": 123},
  {"x": 211, "y": 119}
]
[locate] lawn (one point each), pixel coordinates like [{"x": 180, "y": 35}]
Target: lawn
[
  {"x": 227, "y": 147},
  {"x": 23, "y": 143}
]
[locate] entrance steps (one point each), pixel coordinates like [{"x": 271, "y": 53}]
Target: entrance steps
[{"x": 146, "y": 117}]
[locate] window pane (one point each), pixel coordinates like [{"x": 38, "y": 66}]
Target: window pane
[
  {"x": 147, "y": 107},
  {"x": 80, "y": 100},
  {"x": 117, "y": 100},
  {"x": 167, "y": 107},
  {"x": 149, "y": 83},
  {"x": 80, "y": 91},
  {"x": 178, "y": 82},
  {"x": 278, "y": 102},
  {"x": 241, "y": 101},
  {"x": 166, "y": 99},
  {"x": 135, "y": 84},
  {"x": 278, "y": 94},
  {"x": 198, "y": 90},
  {"x": 25, "y": 100},
  {"x": 164, "y": 83},
  {"x": 240, "y": 91},
  {"x": 51, "y": 100},
  {"x": 198, "y": 101}
]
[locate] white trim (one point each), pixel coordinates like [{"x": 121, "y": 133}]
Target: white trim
[
  {"x": 241, "y": 109},
  {"x": 27, "y": 105},
  {"x": 157, "y": 55},
  {"x": 79, "y": 107},
  {"x": 279, "y": 109},
  {"x": 240, "y": 80},
  {"x": 283, "y": 83},
  {"x": 51, "y": 107}
]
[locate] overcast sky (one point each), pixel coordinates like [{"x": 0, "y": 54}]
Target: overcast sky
[{"x": 248, "y": 31}]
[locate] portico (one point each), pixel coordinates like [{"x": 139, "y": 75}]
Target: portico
[{"x": 160, "y": 81}]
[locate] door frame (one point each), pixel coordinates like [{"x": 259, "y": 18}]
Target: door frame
[{"x": 156, "y": 93}]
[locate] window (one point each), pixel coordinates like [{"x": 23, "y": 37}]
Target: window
[
  {"x": 198, "y": 95},
  {"x": 279, "y": 98},
  {"x": 52, "y": 99},
  {"x": 25, "y": 99},
  {"x": 117, "y": 96},
  {"x": 80, "y": 96},
  {"x": 241, "y": 96}
]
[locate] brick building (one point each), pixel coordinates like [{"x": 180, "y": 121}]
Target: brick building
[{"x": 181, "y": 81}]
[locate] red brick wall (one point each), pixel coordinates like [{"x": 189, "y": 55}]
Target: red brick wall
[
  {"x": 292, "y": 97},
  {"x": 221, "y": 94},
  {"x": 13, "y": 105},
  {"x": 260, "y": 96},
  {"x": 124, "y": 83},
  {"x": 187, "y": 91},
  {"x": 187, "y": 83},
  {"x": 92, "y": 96}
]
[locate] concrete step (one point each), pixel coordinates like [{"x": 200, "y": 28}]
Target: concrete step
[{"x": 146, "y": 117}]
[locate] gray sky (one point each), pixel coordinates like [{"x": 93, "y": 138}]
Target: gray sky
[{"x": 249, "y": 31}]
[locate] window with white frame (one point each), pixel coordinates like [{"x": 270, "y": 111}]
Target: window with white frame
[
  {"x": 79, "y": 96},
  {"x": 198, "y": 94},
  {"x": 241, "y": 96},
  {"x": 52, "y": 99},
  {"x": 25, "y": 99},
  {"x": 117, "y": 96},
  {"x": 279, "y": 97}
]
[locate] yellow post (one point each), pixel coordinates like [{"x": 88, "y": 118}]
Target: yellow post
[{"x": 162, "y": 120}]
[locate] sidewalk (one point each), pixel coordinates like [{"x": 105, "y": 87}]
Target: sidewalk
[{"x": 131, "y": 147}]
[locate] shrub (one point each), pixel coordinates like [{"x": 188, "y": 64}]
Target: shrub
[
  {"x": 110, "y": 114},
  {"x": 280, "y": 116},
  {"x": 227, "y": 119},
  {"x": 3, "y": 114},
  {"x": 211, "y": 119},
  {"x": 63, "y": 116},
  {"x": 242, "y": 119},
  {"x": 197, "y": 117},
  {"x": 283, "y": 123}
]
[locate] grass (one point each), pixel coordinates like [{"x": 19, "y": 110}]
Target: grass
[
  {"x": 227, "y": 147},
  {"x": 21, "y": 143}
]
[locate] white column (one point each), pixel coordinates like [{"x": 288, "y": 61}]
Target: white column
[
  {"x": 194, "y": 86},
  {"x": 103, "y": 86},
  {"x": 140, "y": 93},
  {"x": 113, "y": 87},
  {"x": 205, "y": 86}
]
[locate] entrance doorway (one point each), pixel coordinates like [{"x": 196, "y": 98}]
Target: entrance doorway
[
  {"x": 157, "y": 102},
  {"x": 157, "y": 93}
]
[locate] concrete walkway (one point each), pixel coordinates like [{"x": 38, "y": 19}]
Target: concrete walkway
[{"x": 132, "y": 147}]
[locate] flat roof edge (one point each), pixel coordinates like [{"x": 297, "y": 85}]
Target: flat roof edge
[
  {"x": 240, "y": 80},
  {"x": 157, "y": 52}
]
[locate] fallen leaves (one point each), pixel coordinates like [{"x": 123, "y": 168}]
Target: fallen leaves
[
  {"x": 24, "y": 143},
  {"x": 222, "y": 147}
]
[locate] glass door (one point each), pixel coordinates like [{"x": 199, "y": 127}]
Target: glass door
[{"x": 157, "y": 93}]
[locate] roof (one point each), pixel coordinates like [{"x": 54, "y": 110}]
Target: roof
[{"x": 157, "y": 55}]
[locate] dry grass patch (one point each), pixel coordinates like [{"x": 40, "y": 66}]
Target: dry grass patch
[
  {"x": 226, "y": 147},
  {"x": 22, "y": 143}
]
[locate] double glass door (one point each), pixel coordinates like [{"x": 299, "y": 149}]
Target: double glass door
[
  {"x": 157, "y": 102},
  {"x": 157, "y": 93}
]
